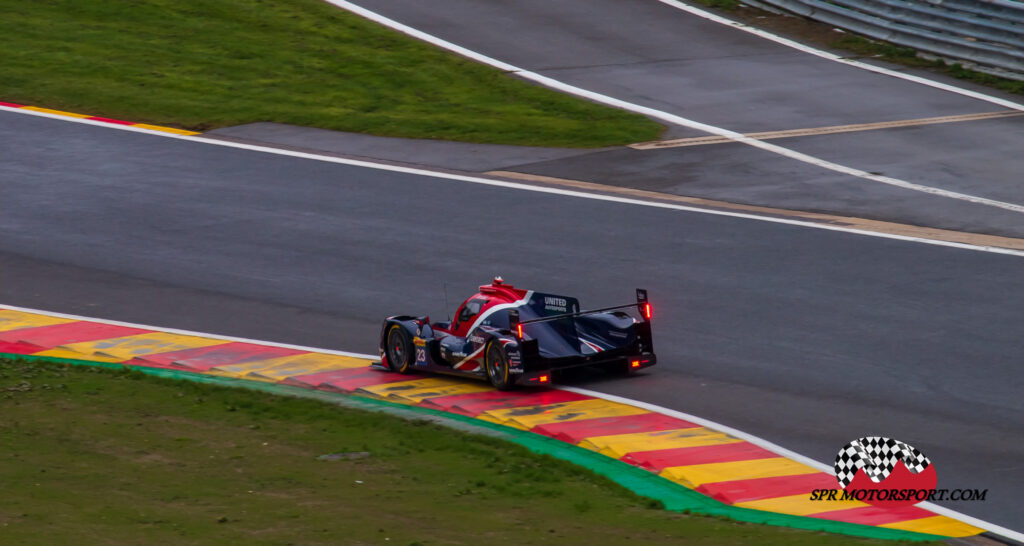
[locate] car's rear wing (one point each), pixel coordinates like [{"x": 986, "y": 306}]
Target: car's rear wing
[
  {"x": 642, "y": 305},
  {"x": 638, "y": 354}
]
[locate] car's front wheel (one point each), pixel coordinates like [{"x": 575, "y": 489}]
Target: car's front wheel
[
  {"x": 496, "y": 364},
  {"x": 399, "y": 349}
]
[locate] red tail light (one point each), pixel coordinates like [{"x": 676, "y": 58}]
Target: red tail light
[
  {"x": 634, "y": 364},
  {"x": 519, "y": 331},
  {"x": 647, "y": 311},
  {"x": 543, "y": 379}
]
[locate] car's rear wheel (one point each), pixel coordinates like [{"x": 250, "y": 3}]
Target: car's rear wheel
[
  {"x": 399, "y": 349},
  {"x": 496, "y": 364}
]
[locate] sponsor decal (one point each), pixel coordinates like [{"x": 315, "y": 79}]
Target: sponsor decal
[
  {"x": 515, "y": 370},
  {"x": 476, "y": 339},
  {"x": 555, "y": 304},
  {"x": 886, "y": 472},
  {"x": 419, "y": 342}
]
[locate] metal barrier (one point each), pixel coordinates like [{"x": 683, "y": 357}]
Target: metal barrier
[{"x": 985, "y": 34}]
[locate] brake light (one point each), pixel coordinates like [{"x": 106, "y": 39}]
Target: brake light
[
  {"x": 634, "y": 364},
  {"x": 519, "y": 331},
  {"x": 543, "y": 379},
  {"x": 647, "y": 311}
]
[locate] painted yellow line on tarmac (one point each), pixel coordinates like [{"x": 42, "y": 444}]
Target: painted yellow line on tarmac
[
  {"x": 937, "y": 525},
  {"x": 618, "y": 445},
  {"x": 126, "y": 348},
  {"x": 114, "y": 122},
  {"x": 800, "y": 505},
  {"x": 527, "y": 417},
  {"x": 165, "y": 129},
  {"x": 815, "y": 131},
  {"x": 16, "y": 320},
  {"x": 696, "y": 475},
  {"x": 417, "y": 390}
]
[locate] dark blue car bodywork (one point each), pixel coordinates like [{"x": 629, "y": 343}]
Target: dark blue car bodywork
[{"x": 520, "y": 337}]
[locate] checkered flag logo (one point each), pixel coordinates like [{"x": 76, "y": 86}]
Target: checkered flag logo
[{"x": 877, "y": 456}]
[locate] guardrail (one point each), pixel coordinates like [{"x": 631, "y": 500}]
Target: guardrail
[{"x": 985, "y": 34}]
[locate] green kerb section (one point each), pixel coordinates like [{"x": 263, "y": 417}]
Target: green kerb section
[{"x": 675, "y": 497}]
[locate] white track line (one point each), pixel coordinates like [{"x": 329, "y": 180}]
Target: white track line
[
  {"x": 610, "y": 397},
  {"x": 839, "y": 59},
  {"x": 519, "y": 186},
  {"x": 970, "y": 520},
  {"x": 672, "y": 118}
]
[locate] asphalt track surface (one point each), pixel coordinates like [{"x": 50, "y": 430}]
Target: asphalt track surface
[
  {"x": 654, "y": 55},
  {"x": 808, "y": 338}
]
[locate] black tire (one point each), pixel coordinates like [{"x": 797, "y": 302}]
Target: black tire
[
  {"x": 496, "y": 365},
  {"x": 399, "y": 349}
]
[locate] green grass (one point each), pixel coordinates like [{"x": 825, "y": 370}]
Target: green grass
[
  {"x": 93, "y": 456},
  {"x": 202, "y": 64}
]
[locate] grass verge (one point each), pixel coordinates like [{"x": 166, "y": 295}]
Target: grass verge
[
  {"x": 202, "y": 64},
  {"x": 98, "y": 456}
]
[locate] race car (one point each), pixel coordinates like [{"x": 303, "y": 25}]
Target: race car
[{"x": 510, "y": 336}]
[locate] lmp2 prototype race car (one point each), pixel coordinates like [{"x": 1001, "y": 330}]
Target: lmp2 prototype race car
[{"x": 510, "y": 336}]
